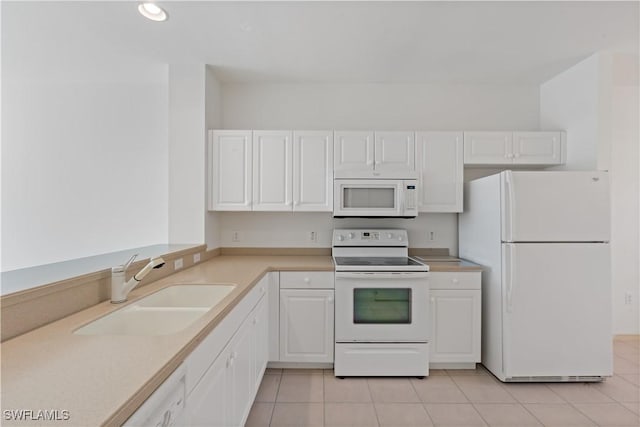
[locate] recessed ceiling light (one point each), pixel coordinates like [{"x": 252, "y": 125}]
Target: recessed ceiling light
[{"x": 152, "y": 11}]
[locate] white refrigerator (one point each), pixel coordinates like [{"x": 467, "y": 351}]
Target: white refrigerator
[{"x": 546, "y": 292}]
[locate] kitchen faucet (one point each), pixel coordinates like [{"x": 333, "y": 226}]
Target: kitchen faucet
[{"x": 121, "y": 288}]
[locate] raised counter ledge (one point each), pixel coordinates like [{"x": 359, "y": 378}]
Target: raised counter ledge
[{"x": 102, "y": 380}]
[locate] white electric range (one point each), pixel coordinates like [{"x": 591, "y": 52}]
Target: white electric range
[{"x": 382, "y": 319}]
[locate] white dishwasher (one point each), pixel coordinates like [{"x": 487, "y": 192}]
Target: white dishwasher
[{"x": 165, "y": 407}]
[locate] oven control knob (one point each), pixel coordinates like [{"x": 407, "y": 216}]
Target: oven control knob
[
  {"x": 389, "y": 236},
  {"x": 352, "y": 235},
  {"x": 340, "y": 237},
  {"x": 400, "y": 238}
]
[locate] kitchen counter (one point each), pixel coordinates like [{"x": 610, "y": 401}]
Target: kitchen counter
[
  {"x": 102, "y": 380},
  {"x": 449, "y": 264}
]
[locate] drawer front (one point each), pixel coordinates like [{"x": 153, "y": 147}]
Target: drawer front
[
  {"x": 306, "y": 280},
  {"x": 455, "y": 280}
]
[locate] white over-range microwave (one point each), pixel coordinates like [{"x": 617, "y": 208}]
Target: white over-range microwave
[{"x": 370, "y": 198}]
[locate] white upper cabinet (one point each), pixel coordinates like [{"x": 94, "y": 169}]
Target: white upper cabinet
[
  {"x": 539, "y": 148},
  {"x": 313, "y": 171},
  {"x": 514, "y": 148},
  {"x": 372, "y": 153},
  {"x": 272, "y": 171},
  {"x": 394, "y": 152},
  {"x": 440, "y": 171},
  {"x": 353, "y": 151},
  {"x": 230, "y": 170},
  {"x": 488, "y": 147}
]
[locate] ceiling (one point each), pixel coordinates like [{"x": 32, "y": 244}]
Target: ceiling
[{"x": 325, "y": 42}]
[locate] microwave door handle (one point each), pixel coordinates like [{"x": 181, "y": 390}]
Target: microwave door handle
[{"x": 400, "y": 190}]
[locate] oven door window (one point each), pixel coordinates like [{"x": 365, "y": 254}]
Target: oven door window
[
  {"x": 382, "y": 306},
  {"x": 366, "y": 198}
]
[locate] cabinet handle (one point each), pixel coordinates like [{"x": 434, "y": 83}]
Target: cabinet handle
[
  {"x": 307, "y": 280},
  {"x": 433, "y": 300},
  {"x": 330, "y": 300},
  {"x": 455, "y": 281}
]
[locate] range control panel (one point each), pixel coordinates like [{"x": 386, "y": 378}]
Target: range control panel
[{"x": 370, "y": 237}]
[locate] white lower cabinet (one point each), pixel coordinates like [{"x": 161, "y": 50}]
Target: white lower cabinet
[
  {"x": 456, "y": 319},
  {"x": 306, "y": 317},
  {"x": 208, "y": 404},
  {"x": 222, "y": 395}
]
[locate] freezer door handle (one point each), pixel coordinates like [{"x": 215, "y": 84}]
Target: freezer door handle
[{"x": 510, "y": 205}]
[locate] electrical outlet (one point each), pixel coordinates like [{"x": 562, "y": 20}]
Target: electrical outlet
[
  {"x": 235, "y": 236},
  {"x": 431, "y": 236},
  {"x": 627, "y": 298},
  {"x": 196, "y": 258},
  {"x": 313, "y": 236},
  {"x": 177, "y": 264}
]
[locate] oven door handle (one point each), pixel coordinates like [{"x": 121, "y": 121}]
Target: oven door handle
[{"x": 382, "y": 276}]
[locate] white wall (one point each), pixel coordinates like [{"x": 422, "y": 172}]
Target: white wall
[
  {"x": 84, "y": 155},
  {"x": 596, "y": 101},
  {"x": 213, "y": 119},
  {"x": 625, "y": 191},
  {"x": 364, "y": 106},
  {"x": 379, "y": 106},
  {"x": 571, "y": 101},
  {"x": 187, "y": 160}
]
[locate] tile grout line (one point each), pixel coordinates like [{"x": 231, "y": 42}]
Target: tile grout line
[
  {"x": 273, "y": 410},
  {"x": 420, "y": 400},
  {"x": 373, "y": 402}
]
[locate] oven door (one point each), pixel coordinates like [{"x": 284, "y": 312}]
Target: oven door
[
  {"x": 368, "y": 197},
  {"x": 382, "y": 307}
]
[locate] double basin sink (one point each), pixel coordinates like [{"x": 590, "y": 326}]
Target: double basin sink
[{"x": 164, "y": 312}]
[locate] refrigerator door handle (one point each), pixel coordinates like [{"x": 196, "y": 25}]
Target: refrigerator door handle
[
  {"x": 511, "y": 209},
  {"x": 511, "y": 267}
]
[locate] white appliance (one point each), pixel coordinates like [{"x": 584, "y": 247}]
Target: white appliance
[
  {"x": 382, "y": 320},
  {"x": 546, "y": 293},
  {"x": 165, "y": 407},
  {"x": 375, "y": 197}
]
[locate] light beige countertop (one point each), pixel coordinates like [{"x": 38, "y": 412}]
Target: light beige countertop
[
  {"x": 448, "y": 264},
  {"x": 102, "y": 380}
]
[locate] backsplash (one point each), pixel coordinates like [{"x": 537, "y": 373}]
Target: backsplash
[{"x": 314, "y": 230}]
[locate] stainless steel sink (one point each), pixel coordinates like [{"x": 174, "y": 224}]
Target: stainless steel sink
[{"x": 165, "y": 312}]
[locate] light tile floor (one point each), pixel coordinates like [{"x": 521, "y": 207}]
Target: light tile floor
[{"x": 313, "y": 397}]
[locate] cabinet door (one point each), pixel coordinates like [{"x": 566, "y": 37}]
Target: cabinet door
[
  {"x": 230, "y": 170},
  {"x": 241, "y": 377},
  {"x": 272, "y": 171},
  {"x": 353, "y": 151},
  {"x": 540, "y": 148},
  {"x": 208, "y": 403},
  {"x": 491, "y": 148},
  {"x": 260, "y": 320},
  {"x": 313, "y": 171},
  {"x": 274, "y": 316},
  {"x": 306, "y": 325},
  {"x": 456, "y": 326},
  {"x": 440, "y": 171},
  {"x": 395, "y": 151}
]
